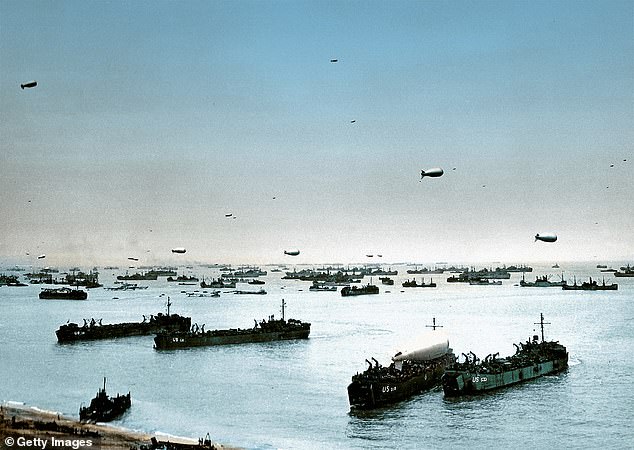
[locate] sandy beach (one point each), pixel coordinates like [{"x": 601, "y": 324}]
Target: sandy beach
[{"x": 23, "y": 427}]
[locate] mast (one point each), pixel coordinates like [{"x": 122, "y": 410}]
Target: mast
[
  {"x": 542, "y": 323},
  {"x": 283, "y": 305},
  {"x": 168, "y": 306},
  {"x": 434, "y": 326}
]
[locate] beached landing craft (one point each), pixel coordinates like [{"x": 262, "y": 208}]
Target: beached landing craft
[
  {"x": 103, "y": 408},
  {"x": 264, "y": 331},
  {"x": 532, "y": 359},
  {"x": 410, "y": 373}
]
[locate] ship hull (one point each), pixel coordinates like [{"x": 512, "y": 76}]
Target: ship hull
[
  {"x": 381, "y": 393},
  {"x": 169, "y": 341},
  {"x": 65, "y": 295},
  {"x": 458, "y": 382},
  {"x": 73, "y": 334}
]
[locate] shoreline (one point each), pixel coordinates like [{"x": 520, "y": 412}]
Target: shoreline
[{"x": 28, "y": 423}]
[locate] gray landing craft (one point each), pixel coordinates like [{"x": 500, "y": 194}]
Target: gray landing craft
[
  {"x": 103, "y": 408},
  {"x": 532, "y": 359},
  {"x": 94, "y": 330},
  {"x": 410, "y": 373},
  {"x": 264, "y": 331}
]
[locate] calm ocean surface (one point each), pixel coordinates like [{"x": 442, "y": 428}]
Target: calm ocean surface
[{"x": 292, "y": 395}]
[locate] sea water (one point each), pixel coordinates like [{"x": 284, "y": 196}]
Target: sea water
[{"x": 292, "y": 394}]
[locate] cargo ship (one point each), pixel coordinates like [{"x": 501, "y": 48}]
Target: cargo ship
[
  {"x": 410, "y": 373},
  {"x": 591, "y": 285},
  {"x": 63, "y": 294},
  {"x": 94, "y": 330},
  {"x": 532, "y": 359},
  {"x": 348, "y": 291},
  {"x": 263, "y": 331},
  {"x": 103, "y": 408},
  {"x": 543, "y": 281},
  {"x": 413, "y": 283}
]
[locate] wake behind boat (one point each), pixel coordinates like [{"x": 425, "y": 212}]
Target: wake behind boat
[{"x": 264, "y": 331}]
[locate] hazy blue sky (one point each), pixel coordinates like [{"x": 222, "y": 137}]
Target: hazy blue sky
[{"x": 153, "y": 119}]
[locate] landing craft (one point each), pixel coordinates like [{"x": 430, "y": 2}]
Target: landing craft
[
  {"x": 133, "y": 259},
  {"x": 291, "y": 252},
  {"x": 228, "y": 215},
  {"x": 30, "y": 84},
  {"x": 334, "y": 60},
  {"x": 178, "y": 250},
  {"x": 546, "y": 237},
  {"x": 435, "y": 172},
  {"x": 41, "y": 257}
]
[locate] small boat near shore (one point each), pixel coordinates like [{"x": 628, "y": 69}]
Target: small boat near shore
[{"x": 103, "y": 408}]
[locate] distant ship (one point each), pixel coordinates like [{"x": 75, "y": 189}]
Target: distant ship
[
  {"x": 217, "y": 284},
  {"x": 591, "y": 285},
  {"x": 148, "y": 276},
  {"x": 626, "y": 272},
  {"x": 387, "y": 281},
  {"x": 542, "y": 282},
  {"x": 413, "y": 283},
  {"x": 103, "y": 408},
  {"x": 516, "y": 269},
  {"x": 484, "y": 282},
  {"x": 264, "y": 331},
  {"x": 93, "y": 330},
  {"x": 63, "y": 294},
  {"x": 317, "y": 286},
  {"x": 425, "y": 271},
  {"x": 410, "y": 373},
  {"x": 532, "y": 359},
  {"x": 182, "y": 279},
  {"x": 348, "y": 291}
]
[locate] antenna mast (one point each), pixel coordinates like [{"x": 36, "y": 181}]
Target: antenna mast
[
  {"x": 283, "y": 305},
  {"x": 542, "y": 323},
  {"x": 434, "y": 326}
]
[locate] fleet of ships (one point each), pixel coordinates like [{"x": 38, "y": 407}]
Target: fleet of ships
[{"x": 428, "y": 363}]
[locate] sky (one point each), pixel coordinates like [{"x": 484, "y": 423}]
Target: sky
[{"x": 152, "y": 120}]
